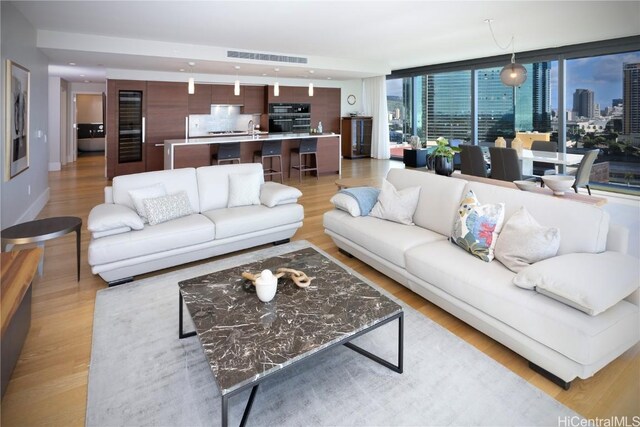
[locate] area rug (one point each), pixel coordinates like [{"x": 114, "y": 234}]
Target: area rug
[{"x": 142, "y": 374}]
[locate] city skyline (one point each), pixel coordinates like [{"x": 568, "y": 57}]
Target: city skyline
[{"x": 600, "y": 74}]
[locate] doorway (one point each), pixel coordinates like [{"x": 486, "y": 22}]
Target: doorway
[{"x": 90, "y": 130}]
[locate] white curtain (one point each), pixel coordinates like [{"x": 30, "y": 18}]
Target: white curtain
[{"x": 374, "y": 99}]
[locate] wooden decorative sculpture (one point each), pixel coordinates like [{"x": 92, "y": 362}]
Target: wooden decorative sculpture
[{"x": 299, "y": 277}]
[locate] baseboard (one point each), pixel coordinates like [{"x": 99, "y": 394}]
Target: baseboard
[
  {"x": 55, "y": 166},
  {"x": 35, "y": 208}
]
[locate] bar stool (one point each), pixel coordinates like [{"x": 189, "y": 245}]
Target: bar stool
[
  {"x": 269, "y": 150},
  {"x": 307, "y": 147},
  {"x": 227, "y": 152}
]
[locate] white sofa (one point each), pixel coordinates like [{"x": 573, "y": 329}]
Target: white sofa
[
  {"x": 118, "y": 251},
  {"x": 563, "y": 341}
]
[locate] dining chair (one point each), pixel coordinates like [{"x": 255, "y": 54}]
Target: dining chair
[
  {"x": 542, "y": 168},
  {"x": 584, "y": 170},
  {"x": 505, "y": 165},
  {"x": 456, "y": 157},
  {"x": 472, "y": 161}
]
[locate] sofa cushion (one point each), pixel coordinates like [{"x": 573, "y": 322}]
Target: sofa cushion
[
  {"x": 174, "y": 180},
  {"x": 396, "y": 205},
  {"x": 583, "y": 227},
  {"x": 165, "y": 208},
  {"x": 386, "y": 239},
  {"x": 523, "y": 241},
  {"x": 213, "y": 183},
  {"x": 177, "y": 233},
  {"x": 439, "y": 197},
  {"x": 489, "y": 288},
  {"x": 139, "y": 195},
  {"x": 248, "y": 219},
  {"x": 589, "y": 282},
  {"x": 244, "y": 189},
  {"x": 477, "y": 226}
]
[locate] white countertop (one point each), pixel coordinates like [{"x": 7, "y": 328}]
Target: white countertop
[{"x": 245, "y": 138}]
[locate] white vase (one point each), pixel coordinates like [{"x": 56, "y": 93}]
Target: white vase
[
  {"x": 500, "y": 142},
  {"x": 517, "y": 145},
  {"x": 266, "y": 286}
]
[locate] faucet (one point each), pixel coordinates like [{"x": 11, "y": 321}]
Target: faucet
[{"x": 250, "y": 127}]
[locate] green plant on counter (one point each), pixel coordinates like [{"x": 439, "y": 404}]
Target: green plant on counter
[{"x": 443, "y": 149}]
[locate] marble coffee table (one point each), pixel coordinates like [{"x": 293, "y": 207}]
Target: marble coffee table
[{"x": 247, "y": 341}]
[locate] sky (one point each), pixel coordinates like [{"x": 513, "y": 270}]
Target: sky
[{"x": 601, "y": 74}]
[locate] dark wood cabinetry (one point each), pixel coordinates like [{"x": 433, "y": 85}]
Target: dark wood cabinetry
[
  {"x": 254, "y": 99},
  {"x": 223, "y": 94},
  {"x": 200, "y": 101},
  {"x": 356, "y": 136}
]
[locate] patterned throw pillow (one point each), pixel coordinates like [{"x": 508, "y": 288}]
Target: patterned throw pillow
[
  {"x": 477, "y": 226},
  {"x": 165, "y": 208}
]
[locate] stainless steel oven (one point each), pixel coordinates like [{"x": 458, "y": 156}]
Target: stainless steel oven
[{"x": 288, "y": 118}]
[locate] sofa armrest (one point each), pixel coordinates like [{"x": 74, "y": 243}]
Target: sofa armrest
[
  {"x": 108, "y": 194},
  {"x": 274, "y": 194},
  {"x": 110, "y": 218},
  {"x": 618, "y": 238}
]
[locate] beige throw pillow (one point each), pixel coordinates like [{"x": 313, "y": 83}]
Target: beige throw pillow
[
  {"x": 396, "y": 206},
  {"x": 523, "y": 241},
  {"x": 244, "y": 189}
]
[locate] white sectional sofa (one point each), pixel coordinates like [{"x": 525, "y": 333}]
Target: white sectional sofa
[
  {"x": 565, "y": 342},
  {"x": 122, "y": 246}
]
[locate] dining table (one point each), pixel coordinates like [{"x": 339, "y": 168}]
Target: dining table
[{"x": 561, "y": 159}]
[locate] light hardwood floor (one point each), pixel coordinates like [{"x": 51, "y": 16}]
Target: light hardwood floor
[{"x": 49, "y": 384}]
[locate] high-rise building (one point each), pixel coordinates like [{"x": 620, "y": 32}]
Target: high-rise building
[
  {"x": 583, "y": 100},
  {"x": 631, "y": 98},
  {"x": 533, "y": 99},
  {"x": 616, "y": 101},
  {"x": 447, "y": 105}
]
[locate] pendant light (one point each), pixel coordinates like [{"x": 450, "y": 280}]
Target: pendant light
[
  {"x": 236, "y": 85},
  {"x": 311, "y": 84},
  {"x": 512, "y": 74},
  {"x": 191, "y": 88},
  {"x": 276, "y": 86}
]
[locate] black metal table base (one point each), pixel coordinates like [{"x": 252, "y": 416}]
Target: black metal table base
[{"x": 346, "y": 342}]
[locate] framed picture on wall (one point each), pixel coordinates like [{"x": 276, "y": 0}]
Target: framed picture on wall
[{"x": 16, "y": 120}]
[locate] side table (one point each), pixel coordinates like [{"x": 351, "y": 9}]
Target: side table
[{"x": 41, "y": 230}]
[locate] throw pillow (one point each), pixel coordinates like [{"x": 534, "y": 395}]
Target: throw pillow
[
  {"x": 139, "y": 194},
  {"x": 111, "y": 216},
  {"x": 589, "y": 282},
  {"x": 273, "y": 194},
  {"x": 346, "y": 203},
  {"x": 477, "y": 226},
  {"x": 396, "y": 206},
  {"x": 165, "y": 208},
  {"x": 244, "y": 189},
  {"x": 523, "y": 241}
]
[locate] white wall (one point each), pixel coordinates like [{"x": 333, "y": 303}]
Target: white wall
[
  {"x": 24, "y": 196},
  {"x": 54, "y": 123}
]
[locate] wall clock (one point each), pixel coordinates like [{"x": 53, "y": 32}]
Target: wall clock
[{"x": 351, "y": 99}]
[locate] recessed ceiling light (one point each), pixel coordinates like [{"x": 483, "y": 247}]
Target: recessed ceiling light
[
  {"x": 87, "y": 81},
  {"x": 264, "y": 74},
  {"x": 182, "y": 69},
  {"x": 328, "y": 78},
  {"x": 191, "y": 63},
  {"x": 81, "y": 75},
  {"x": 72, "y": 63},
  {"x": 311, "y": 71}
]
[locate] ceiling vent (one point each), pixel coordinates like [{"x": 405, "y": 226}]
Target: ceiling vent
[{"x": 266, "y": 57}]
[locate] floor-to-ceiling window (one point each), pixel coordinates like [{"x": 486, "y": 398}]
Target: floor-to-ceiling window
[
  {"x": 400, "y": 103},
  {"x": 447, "y": 105},
  {"x": 495, "y": 106},
  {"x": 603, "y": 109}
]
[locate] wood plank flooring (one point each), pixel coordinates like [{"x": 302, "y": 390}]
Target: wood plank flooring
[{"x": 49, "y": 384}]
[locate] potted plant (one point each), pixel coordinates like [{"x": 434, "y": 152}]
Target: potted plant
[{"x": 442, "y": 157}]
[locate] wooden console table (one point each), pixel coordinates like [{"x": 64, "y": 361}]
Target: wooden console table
[{"x": 18, "y": 269}]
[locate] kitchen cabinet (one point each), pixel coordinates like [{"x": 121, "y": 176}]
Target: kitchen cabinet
[
  {"x": 325, "y": 108},
  {"x": 167, "y": 110},
  {"x": 286, "y": 95},
  {"x": 126, "y": 114},
  {"x": 254, "y": 99},
  {"x": 200, "y": 101},
  {"x": 223, "y": 94},
  {"x": 356, "y": 136}
]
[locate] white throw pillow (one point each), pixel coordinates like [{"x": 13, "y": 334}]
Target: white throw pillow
[
  {"x": 111, "y": 216},
  {"x": 346, "y": 203},
  {"x": 139, "y": 194},
  {"x": 165, "y": 208},
  {"x": 244, "y": 189},
  {"x": 396, "y": 206},
  {"x": 523, "y": 241},
  {"x": 589, "y": 282},
  {"x": 273, "y": 194}
]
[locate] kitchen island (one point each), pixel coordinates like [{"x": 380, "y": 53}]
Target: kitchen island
[{"x": 196, "y": 152}]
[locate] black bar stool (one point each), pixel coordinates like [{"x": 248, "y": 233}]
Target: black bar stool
[
  {"x": 270, "y": 149},
  {"x": 306, "y": 148},
  {"x": 227, "y": 152}
]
